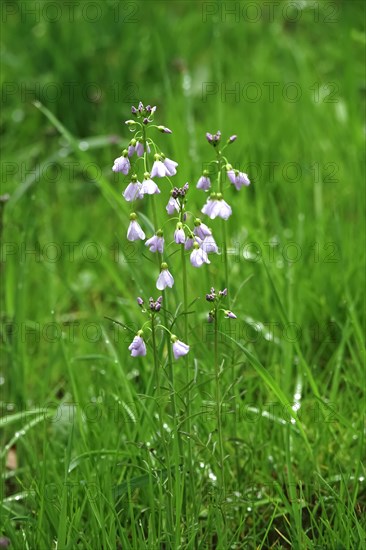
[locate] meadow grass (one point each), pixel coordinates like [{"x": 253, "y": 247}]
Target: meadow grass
[{"x": 81, "y": 447}]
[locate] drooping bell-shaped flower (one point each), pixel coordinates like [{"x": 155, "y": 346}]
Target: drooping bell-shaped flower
[
  {"x": 179, "y": 236},
  {"x": 201, "y": 229},
  {"x": 179, "y": 348},
  {"x": 238, "y": 179},
  {"x": 134, "y": 231},
  {"x": 198, "y": 256},
  {"x": 156, "y": 242},
  {"x": 159, "y": 169},
  {"x": 133, "y": 190},
  {"x": 173, "y": 204},
  {"x": 122, "y": 164},
  {"x": 204, "y": 182},
  {"x": 149, "y": 187},
  {"x": 138, "y": 346},
  {"x": 165, "y": 278},
  {"x": 170, "y": 165}
]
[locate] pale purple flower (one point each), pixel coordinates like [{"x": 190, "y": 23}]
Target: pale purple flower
[
  {"x": 190, "y": 242},
  {"x": 134, "y": 231},
  {"x": 133, "y": 191},
  {"x": 216, "y": 206},
  {"x": 209, "y": 245},
  {"x": 232, "y": 138},
  {"x": 170, "y": 166},
  {"x": 201, "y": 229},
  {"x": 179, "y": 235},
  {"x": 149, "y": 187},
  {"x": 122, "y": 164},
  {"x": 229, "y": 314},
  {"x": 173, "y": 204},
  {"x": 164, "y": 129},
  {"x": 204, "y": 183},
  {"x": 137, "y": 347},
  {"x": 156, "y": 243},
  {"x": 179, "y": 348},
  {"x": 131, "y": 148},
  {"x": 199, "y": 256},
  {"x": 139, "y": 148},
  {"x": 159, "y": 169},
  {"x": 165, "y": 278},
  {"x": 238, "y": 178}
]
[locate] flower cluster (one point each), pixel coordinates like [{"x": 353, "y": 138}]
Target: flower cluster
[
  {"x": 138, "y": 345},
  {"x": 216, "y": 299}
]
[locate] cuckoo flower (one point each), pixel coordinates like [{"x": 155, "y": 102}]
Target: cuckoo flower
[
  {"x": 149, "y": 187},
  {"x": 170, "y": 166},
  {"x": 173, "y": 204},
  {"x": 156, "y": 242},
  {"x": 159, "y": 170},
  {"x": 134, "y": 231},
  {"x": 133, "y": 190},
  {"x": 137, "y": 347},
  {"x": 198, "y": 256},
  {"x": 165, "y": 278},
  {"x": 204, "y": 182},
  {"x": 179, "y": 348},
  {"x": 237, "y": 178},
  {"x": 216, "y": 206},
  {"x": 201, "y": 230},
  {"x": 122, "y": 164},
  {"x": 179, "y": 235}
]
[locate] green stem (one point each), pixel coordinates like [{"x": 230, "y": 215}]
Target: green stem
[
  {"x": 220, "y": 161},
  {"x": 221, "y": 476},
  {"x": 170, "y": 514}
]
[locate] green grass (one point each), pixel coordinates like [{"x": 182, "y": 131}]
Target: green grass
[{"x": 79, "y": 414}]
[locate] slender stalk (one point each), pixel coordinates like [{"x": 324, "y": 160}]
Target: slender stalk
[
  {"x": 170, "y": 514},
  {"x": 220, "y": 161},
  {"x": 221, "y": 476}
]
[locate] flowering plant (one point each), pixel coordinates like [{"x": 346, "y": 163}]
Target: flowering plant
[{"x": 144, "y": 163}]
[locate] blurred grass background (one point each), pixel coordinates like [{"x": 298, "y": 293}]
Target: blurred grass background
[{"x": 87, "y": 64}]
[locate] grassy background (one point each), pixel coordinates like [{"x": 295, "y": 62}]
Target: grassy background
[{"x": 302, "y": 217}]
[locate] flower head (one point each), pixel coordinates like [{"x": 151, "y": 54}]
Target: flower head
[
  {"x": 179, "y": 348},
  {"x": 216, "y": 206},
  {"x": 237, "y": 178},
  {"x": 133, "y": 190},
  {"x": 173, "y": 204},
  {"x": 170, "y": 166},
  {"x": 214, "y": 139},
  {"x": 204, "y": 182},
  {"x": 159, "y": 169},
  {"x": 149, "y": 187},
  {"x": 165, "y": 278},
  {"x": 201, "y": 229},
  {"x": 209, "y": 245},
  {"x": 137, "y": 346},
  {"x": 139, "y": 148},
  {"x": 229, "y": 314},
  {"x": 156, "y": 242},
  {"x": 198, "y": 256},
  {"x": 179, "y": 235},
  {"x": 122, "y": 164},
  {"x": 134, "y": 231}
]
